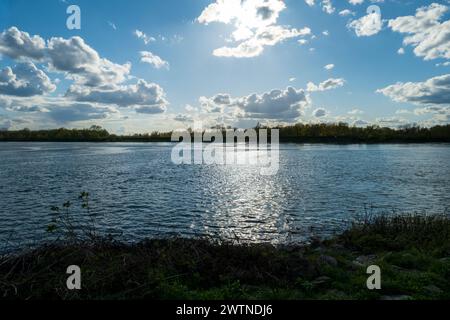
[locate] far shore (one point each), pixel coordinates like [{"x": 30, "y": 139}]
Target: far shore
[{"x": 340, "y": 133}]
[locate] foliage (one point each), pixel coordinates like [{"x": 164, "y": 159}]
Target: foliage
[
  {"x": 301, "y": 133},
  {"x": 412, "y": 251}
]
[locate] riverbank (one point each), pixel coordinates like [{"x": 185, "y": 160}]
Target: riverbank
[
  {"x": 339, "y": 133},
  {"x": 413, "y": 253}
]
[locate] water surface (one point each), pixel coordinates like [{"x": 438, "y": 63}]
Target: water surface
[{"x": 137, "y": 191}]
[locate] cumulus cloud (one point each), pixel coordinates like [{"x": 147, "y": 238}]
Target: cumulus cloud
[
  {"x": 75, "y": 112},
  {"x": 368, "y": 25},
  {"x": 144, "y": 97},
  {"x": 434, "y": 91},
  {"x": 255, "y": 25},
  {"x": 283, "y": 105},
  {"x": 153, "y": 59},
  {"x": 96, "y": 80},
  {"x": 320, "y": 113},
  {"x": 73, "y": 56},
  {"x": 424, "y": 31},
  {"x": 83, "y": 64},
  {"x": 329, "y": 84},
  {"x": 18, "y": 44},
  {"x": 24, "y": 80},
  {"x": 59, "y": 110}
]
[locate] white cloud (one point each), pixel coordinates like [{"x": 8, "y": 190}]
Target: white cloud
[
  {"x": 154, "y": 60},
  {"x": 356, "y": 112},
  {"x": 18, "y": 44},
  {"x": 255, "y": 25},
  {"x": 434, "y": 91},
  {"x": 346, "y": 12},
  {"x": 329, "y": 67},
  {"x": 355, "y": 2},
  {"x": 320, "y": 113},
  {"x": 144, "y": 97},
  {"x": 368, "y": 25},
  {"x": 141, "y": 35},
  {"x": 59, "y": 110},
  {"x": 429, "y": 37},
  {"x": 25, "y": 80},
  {"x": 253, "y": 47},
  {"x": 302, "y": 41},
  {"x": 283, "y": 105},
  {"x": 329, "y": 84},
  {"x": 83, "y": 64},
  {"x": 97, "y": 82},
  {"x": 328, "y": 7}
]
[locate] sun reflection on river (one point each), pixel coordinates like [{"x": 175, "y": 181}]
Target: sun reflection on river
[{"x": 243, "y": 204}]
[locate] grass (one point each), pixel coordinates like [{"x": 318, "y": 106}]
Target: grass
[{"x": 413, "y": 252}]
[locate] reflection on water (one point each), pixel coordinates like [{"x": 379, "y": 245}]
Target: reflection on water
[{"x": 137, "y": 191}]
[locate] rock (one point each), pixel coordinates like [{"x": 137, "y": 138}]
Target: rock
[
  {"x": 396, "y": 298},
  {"x": 363, "y": 261},
  {"x": 321, "y": 280},
  {"x": 328, "y": 260},
  {"x": 433, "y": 290}
]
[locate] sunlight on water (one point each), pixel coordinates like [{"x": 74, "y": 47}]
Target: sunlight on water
[{"x": 138, "y": 192}]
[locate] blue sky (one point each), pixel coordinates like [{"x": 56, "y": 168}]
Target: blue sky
[{"x": 187, "y": 64}]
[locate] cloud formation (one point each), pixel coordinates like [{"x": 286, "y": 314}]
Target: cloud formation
[
  {"x": 255, "y": 23},
  {"x": 153, "y": 59},
  {"x": 83, "y": 64},
  {"x": 329, "y": 84},
  {"x": 98, "y": 84},
  {"x": 368, "y": 25},
  {"x": 18, "y": 44},
  {"x": 144, "y": 97},
  {"x": 283, "y": 105},
  {"x": 424, "y": 31},
  {"x": 24, "y": 80},
  {"x": 434, "y": 91}
]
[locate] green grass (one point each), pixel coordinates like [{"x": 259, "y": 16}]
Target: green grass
[{"x": 412, "y": 251}]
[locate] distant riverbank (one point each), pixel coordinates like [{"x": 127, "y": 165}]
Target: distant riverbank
[
  {"x": 413, "y": 253},
  {"x": 300, "y": 133}
]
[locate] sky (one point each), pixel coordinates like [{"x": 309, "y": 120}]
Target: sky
[{"x": 137, "y": 66}]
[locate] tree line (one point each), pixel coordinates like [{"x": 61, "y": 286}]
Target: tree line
[{"x": 298, "y": 133}]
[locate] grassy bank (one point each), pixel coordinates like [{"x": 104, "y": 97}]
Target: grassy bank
[{"x": 412, "y": 251}]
